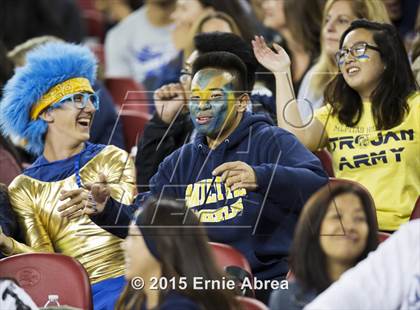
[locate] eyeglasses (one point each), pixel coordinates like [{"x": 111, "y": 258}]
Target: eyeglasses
[
  {"x": 80, "y": 100},
  {"x": 185, "y": 76},
  {"x": 358, "y": 50}
]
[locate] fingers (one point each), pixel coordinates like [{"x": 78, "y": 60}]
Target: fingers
[
  {"x": 278, "y": 48},
  {"x": 170, "y": 91},
  {"x": 101, "y": 180},
  {"x": 100, "y": 192},
  {"x": 76, "y": 215},
  {"x": 73, "y": 211},
  {"x": 69, "y": 194},
  {"x": 73, "y": 201},
  {"x": 226, "y": 166},
  {"x": 230, "y": 173},
  {"x": 232, "y": 180},
  {"x": 89, "y": 211},
  {"x": 237, "y": 185},
  {"x": 259, "y": 43}
]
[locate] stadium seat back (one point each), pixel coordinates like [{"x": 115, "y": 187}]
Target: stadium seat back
[
  {"x": 416, "y": 211},
  {"x": 234, "y": 264},
  {"x": 43, "y": 274},
  {"x": 227, "y": 256},
  {"x": 251, "y": 303},
  {"x": 133, "y": 107},
  {"x": 326, "y": 161},
  {"x": 382, "y": 236},
  {"x": 95, "y": 23}
]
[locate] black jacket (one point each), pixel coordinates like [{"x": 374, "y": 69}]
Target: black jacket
[
  {"x": 7, "y": 216},
  {"x": 158, "y": 141}
]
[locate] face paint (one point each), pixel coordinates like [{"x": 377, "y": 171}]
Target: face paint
[
  {"x": 358, "y": 51},
  {"x": 212, "y": 101},
  {"x": 363, "y": 58}
]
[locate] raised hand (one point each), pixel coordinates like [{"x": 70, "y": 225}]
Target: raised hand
[
  {"x": 276, "y": 62},
  {"x": 169, "y": 100}
]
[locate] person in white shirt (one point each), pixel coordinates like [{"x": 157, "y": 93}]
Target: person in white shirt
[
  {"x": 388, "y": 278},
  {"x": 141, "y": 42}
]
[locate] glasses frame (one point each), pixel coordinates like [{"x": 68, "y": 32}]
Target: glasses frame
[
  {"x": 344, "y": 52},
  {"x": 94, "y": 98}
]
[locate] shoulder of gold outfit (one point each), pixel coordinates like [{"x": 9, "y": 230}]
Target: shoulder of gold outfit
[{"x": 35, "y": 203}]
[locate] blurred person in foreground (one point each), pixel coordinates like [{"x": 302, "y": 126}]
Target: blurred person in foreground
[
  {"x": 166, "y": 240},
  {"x": 389, "y": 278},
  {"x": 336, "y": 229}
]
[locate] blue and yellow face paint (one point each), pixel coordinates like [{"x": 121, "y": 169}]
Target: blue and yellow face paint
[
  {"x": 212, "y": 101},
  {"x": 358, "y": 51},
  {"x": 362, "y": 58}
]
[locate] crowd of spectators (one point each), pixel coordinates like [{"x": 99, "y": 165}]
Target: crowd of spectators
[{"x": 237, "y": 100}]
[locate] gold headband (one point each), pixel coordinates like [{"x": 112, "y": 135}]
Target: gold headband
[{"x": 71, "y": 86}]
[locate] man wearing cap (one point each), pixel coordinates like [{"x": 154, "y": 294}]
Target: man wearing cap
[{"x": 50, "y": 104}]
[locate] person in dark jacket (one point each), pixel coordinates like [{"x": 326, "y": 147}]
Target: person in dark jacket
[
  {"x": 168, "y": 131},
  {"x": 8, "y": 223},
  {"x": 244, "y": 178}
]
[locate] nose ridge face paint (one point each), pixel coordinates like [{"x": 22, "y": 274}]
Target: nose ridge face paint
[{"x": 212, "y": 101}]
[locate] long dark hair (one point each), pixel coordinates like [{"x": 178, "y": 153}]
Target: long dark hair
[
  {"x": 307, "y": 259},
  {"x": 182, "y": 245},
  {"x": 389, "y": 99}
]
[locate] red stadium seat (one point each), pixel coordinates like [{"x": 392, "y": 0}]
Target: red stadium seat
[
  {"x": 133, "y": 105},
  {"x": 99, "y": 51},
  {"x": 234, "y": 264},
  {"x": 250, "y": 303},
  {"x": 326, "y": 161},
  {"x": 228, "y": 256},
  {"x": 95, "y": 23},
  {"x": 43, "y": 274},
  {"x": 86, "y": 4},
  {"x": 382, "y": 236},
  {"x": 416, "y": 211}
]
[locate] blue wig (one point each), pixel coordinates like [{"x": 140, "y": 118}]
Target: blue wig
[{"x": 46, "y": 66}]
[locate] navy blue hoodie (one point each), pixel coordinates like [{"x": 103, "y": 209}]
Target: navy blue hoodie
[{"x": 259, "y": 224}]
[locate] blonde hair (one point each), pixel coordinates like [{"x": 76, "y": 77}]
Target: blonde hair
[
  {"x": 18, "y": 54},
  {"x": 197, "y": 28},
  {"x": 372, "y": 10}
]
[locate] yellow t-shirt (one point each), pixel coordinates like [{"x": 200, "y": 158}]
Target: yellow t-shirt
[{"x": 386, "y": 162}]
